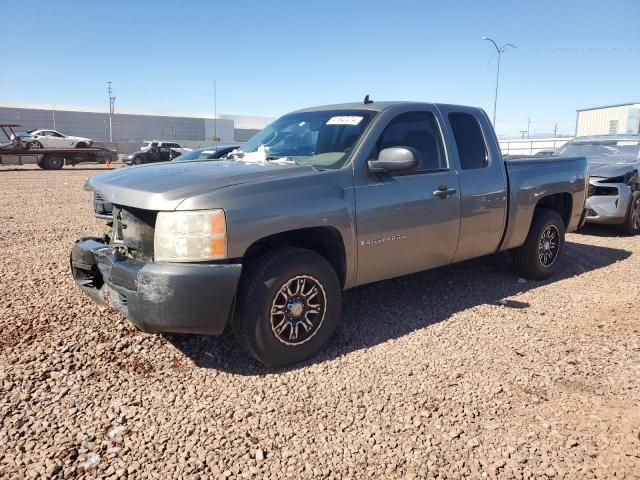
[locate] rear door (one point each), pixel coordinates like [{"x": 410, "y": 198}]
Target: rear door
[
  {"x": 405, "y": 222},
  {"x": 483, "y": 181}
]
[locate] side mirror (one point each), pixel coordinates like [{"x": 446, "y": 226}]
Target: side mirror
[{"x": 393, "y": 159}]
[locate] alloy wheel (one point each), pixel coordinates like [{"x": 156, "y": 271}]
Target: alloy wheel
[
  {"x": 298, "y": 310},
  {"x": 549, "y": 246},
  {"x": 635, "y": 215}
]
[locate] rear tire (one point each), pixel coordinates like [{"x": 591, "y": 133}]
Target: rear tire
[
  {"x": 34, "y": 144},
  {"x": 539, "y": 257},
  {"x": 288, "y": 306},
  {"x": 631, "y": 225},
  {"x": 52, "y": 162}
]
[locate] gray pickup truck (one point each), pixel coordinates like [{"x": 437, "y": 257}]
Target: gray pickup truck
[{"x": 322, "y": 200}]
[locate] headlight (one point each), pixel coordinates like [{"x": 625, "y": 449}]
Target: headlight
[{"x": 190, "y": 236}]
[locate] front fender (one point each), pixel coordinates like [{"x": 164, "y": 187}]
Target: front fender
[{"x": 260, "y": 209}]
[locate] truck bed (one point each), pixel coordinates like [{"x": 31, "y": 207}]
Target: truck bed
[{"x": 530, "y": 178}]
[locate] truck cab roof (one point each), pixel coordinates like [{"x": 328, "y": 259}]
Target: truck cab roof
[{"x": 377, "y": 106}]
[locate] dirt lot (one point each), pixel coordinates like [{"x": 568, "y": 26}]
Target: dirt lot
[{"x": 459, "y": 372}]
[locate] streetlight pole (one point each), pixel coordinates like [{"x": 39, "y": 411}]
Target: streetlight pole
[
  {"x": 215, "y": 113},
  {"x": 500, "y": 51},
  {"x": 112, "y": 102}
]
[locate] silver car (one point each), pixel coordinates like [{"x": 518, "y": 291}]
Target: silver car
[{"x": 614, "y": 187}]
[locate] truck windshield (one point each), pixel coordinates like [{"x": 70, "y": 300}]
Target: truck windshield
[
  {"x": 620, "y": 151},
  {"x": 322, "y": 139}
]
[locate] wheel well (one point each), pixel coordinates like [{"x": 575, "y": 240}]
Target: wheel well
[
  {"x": 325, "y": 241},
  {"x": 561, "y": 203}
]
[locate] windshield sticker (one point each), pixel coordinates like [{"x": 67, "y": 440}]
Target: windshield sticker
[
  {"x": 344, "y": 120},
  {"x": 626, "y": 143}
]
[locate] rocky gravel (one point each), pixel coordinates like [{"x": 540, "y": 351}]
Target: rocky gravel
[{"x": 459, "y": 372}]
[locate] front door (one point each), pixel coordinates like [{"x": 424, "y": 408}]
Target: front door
[{"x": 410, "y": 221}]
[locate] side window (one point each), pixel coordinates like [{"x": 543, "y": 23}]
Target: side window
[
  {"x": 419, "y": 131},
  {"x": 469, "y": 139}
]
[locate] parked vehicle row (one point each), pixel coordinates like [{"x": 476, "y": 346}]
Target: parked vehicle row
[
  {"x": 164, "y": 144},
  {"x": 322, "y": 200},
  {"x": 164, "y": 153}
]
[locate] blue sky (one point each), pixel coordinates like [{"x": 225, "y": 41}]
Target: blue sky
[{"x": 270, "y": 57}]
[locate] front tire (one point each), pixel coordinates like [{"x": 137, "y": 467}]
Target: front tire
[
  {"x": 631, "y": 225},
  {"x": 288, "y": 306},
  {"x": 138, "y": 161},
  {"x": 539, "y": 257}
]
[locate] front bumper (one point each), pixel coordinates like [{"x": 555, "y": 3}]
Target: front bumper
[
  {"x": 608, "y": 209},
  {"x": 157, "y": 297}
]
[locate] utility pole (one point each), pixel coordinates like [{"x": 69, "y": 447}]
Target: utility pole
[
  {"x": 215, "y": 114},
  {"x": 555, "y": 130},
  {"x": 53, "y": 114},
  {"x": 500, "y": 51},
  {"x": 112, "y": 106},
  {"x": 529, "y": 126},
  {"x": 522, "y": 132}
]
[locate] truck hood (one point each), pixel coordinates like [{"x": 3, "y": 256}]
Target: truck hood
[
  {"x": 164, "y": 186},
  {"x": 610, "y": 170}
]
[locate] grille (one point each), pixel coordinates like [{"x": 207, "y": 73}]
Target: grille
[
  {"x": 133, "y": 228},
  {"x": 591, "y": 190}
]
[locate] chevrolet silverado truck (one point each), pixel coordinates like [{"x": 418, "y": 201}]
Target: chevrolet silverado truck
[{"x": 320, "y": 201}]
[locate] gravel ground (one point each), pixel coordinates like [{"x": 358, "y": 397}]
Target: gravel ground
[{"x": 459, "y": 372}]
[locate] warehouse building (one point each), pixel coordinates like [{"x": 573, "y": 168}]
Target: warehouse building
[
  {"x": 134, "y": 126},
  {"x": 609, "y": 120}
]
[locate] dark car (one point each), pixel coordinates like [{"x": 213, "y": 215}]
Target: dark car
[
  {"x": 151, "y": 155},
  {"x": 210, "y": 153}
]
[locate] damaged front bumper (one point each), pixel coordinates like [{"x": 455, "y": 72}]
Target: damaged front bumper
[
  {"x": 608, "y": 203},
  {"x": 157, "y": 297}
]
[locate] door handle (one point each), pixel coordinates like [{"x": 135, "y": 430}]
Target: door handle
[{"x": 443, "y": 191}]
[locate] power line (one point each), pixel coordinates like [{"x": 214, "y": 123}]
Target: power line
[{"x": 582, "y": 49}]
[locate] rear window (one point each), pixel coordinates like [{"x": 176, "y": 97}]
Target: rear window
[{"x": 469, "y": 139}]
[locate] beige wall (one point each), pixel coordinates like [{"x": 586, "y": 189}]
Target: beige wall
[{"x": 598, "y": 121}]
